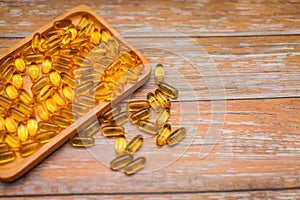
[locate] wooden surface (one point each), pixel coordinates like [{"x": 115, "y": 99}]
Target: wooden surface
[{"x": 248, "y": 87}]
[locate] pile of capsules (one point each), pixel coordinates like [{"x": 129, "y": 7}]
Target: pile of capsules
[{"x": 40, "y": 80}]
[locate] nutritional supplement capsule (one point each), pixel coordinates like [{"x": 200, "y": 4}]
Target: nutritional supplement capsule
[
  {"x": 86, "y": 101},
  {"x": 61, "y": 68},
  {"x": 27, "y": 110},
  {"x": 11, "y": 125},
  {"x": 131, "y": 77},
  {"x": 159, "y": 73},
  {"x": 26, "y": 50},
  {"x": 109, "y": 114},
  {"x": 73, "y": 33},
  {"x": 84, "y": 21},
  {"x": 89, "y": 29},
  {"x": 68, "y": 52},
  {"x": 90, "y": 77},
  {"x": 48, "y": 126},
  {"x": 105, "y": 35},
  {"x": 62, "y": 24},
  {"x": 2, "y": 125},
  {"x": 120, "y": 145},
  {"x": 154, "y": 103},
  {"x": 72, "y": 116},
  {"x": 45, "y": 136},
  {"x": 13, "y": 141},
  {"x": 6, "y": 157},
  {"x": 11, "y": 92},
  {"x": 46, "y": 65},
  {"x": 7, "y": 74},
  {"x": 17, "y": 115},
  {"x": 135, "y": 144},
  {"x": 95, "y": 37},
  {"x": 84, "y": 88},
  {"x": 44, "y": 93},
  {"x": 140, "y": 115},
  {"x": 52, "y": 50},
  {"x": 42, "y": 112},
  {"x": 17, "y": 81},
  {"x": 32, "y": 127},
  {"x": 42, "y": 82},
  {"x": 29, "y": 149},
  {"x": 6, "y": 62},
  {"x": 34, "y": 58},
  {"x": 176, "y": 136},
  {"x": 79, "y": 109},
  {"x": 148, "y": 127},
  {"x": 163, "y": 117},
  {"x": 82, "y": 71},
  {"x": 68, "y": 92},
  {"x": 134, "y": 166},
  {"x": 90, "y": 129},
  {"x": 112, "y": 131},
  {"x": 61, "y": 60},
  {"x": 168, "y": 90},
  {"x": 134, "y": 106},
  {"x": 163, "y": 134},
  {"x": 58, "y": 98},
  {"x": 162, "y": 99},
  {"x": 5, "y": 102},
  {"x": 55, "y": 78},
  {"x": 25, "y": 97},
  {"x": 20, "y": 65},
  {"x": 51, "y": 105},
  {"x": 79, "y": 141},
  {"x": 60, "y": 121},
  {"x": 67, "y": 79},
  {"x": 35, "y": 42},
  {"x": 80, "y": 61},
  {"x": 34, "y": 72},
  {"x": 22, "y": 133},
  {"x": 121, "y": 161},
  {"x": 119, "y": 119},
  {"x": 138, "y": 69},
  {"x": 3, "y": 147},
  {"x": 52, "y": 41}
]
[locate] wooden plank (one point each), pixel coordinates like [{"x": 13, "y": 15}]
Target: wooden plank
[
  {"x": 194, "y": 18},
  {"x": 259, "y": 149}
]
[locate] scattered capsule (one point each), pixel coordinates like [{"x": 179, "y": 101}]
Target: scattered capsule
[
  {"x": 51, "y": 105},
  {"x": 44, "y": 93},
  {"x": 11, "y": 92},
  {"x": 32, "y": 127},
  {"x": 67, "y": 79},
  {"x": 7, "y": 74},
  {"x": 121, "y": 161},
  {"x": 22, "y": 133},
  {"x": 159, "y": 73},
  {"x": 154, "y": 103},
  {"x": 34, "y": 72},
  {"x": 60, "y": 121},
  {"x": 90, "y": 129},
  {"x": 11, "y": 125},
  {"x": 163, "y": 134},
  {"x": 29, "y": 149},
  {"x": 46, "y": 65},
  {"x": 5, "y": 102},
  {"x": 27, "y": 110},
  {"x": 17, "y": 81},
  {"x": 134, "y": 166},
  {"x": 120, "y": 145},
  {"x": 86, "y": 100},
  {"x": 148, "y": 127},
  {"x": 20, "y": 65},
  {"x": 109, "y": 114},
  {"x": 72, "y": 116},
  {"x": 62, "y": 24},
  {"x": 58, "y": 98},
  {"x": 55, "y": 78},
  {"x": 42, "y": 82},
  {"x": 112, "y": 131},
  {"x": 176, "y": 136},
  {"x": 135, "y": 144},
  {"x": 45, "y": 137},
  {"x": 134, "y": 106},
  {"x": 140, "y": 115},
  {"x": 162, "y": 99},
  {"x": 119, "y": 119},
  {"x": 42, "y": 111},
  {"x": 17, "y": 115},
  {"x": 13, "y": 141},
  {"x": 68, "y": 92},
  {"x": 79, "y": 141},
  {"x": 4, "y": 147},
  {"x": 6, "y": 157},
  {"x": 47, "y": 126},
  {"x": 35, "y": 42},
  {"x": 168, "y": 90},
  {"x": 34, "y": 58},
  {"x": 163, "y": 117},
  {"x": 6, "y": 63}
]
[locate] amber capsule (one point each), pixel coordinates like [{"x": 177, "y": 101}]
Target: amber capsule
[
  {"x": 90, "y": 77},
  {"x": 112, "y": 131},
  {"x": 84, "y": 88},
  {"x": 51, "y": 105},
  {"x": 105, "y": 35},
  {"x": 2, "y": 111},
  {"x": 26, "y": 50},
  {"x": 148, "y": 127},
  {"x": 67, "y": 79},
  {"x": 11, "y": 92},
  {"x": 121, "y": 161},
  {"x": 34, "y": 58},
  {"x": 79, "y": 41},
  {"x": 134, "y": 166},
  {"x": 130, "y": 77},
  {"x": 22, "y": 133},
  {"x": 27, "y": 110},
  {"x": 120, "y": 145},
  {"x": 52, "y": 50},
  {"x": 13, "y": 141},
  {"x": 29, "y": 148},
  {"x": 109, "y": 114},
  {"x": 34, "y": 72},
  {"x": 119, "y": 119},
  {"x": 17, "y": 81},
  {"x": 168, "y": 90},
  {"x": 89, "y": 29},
  {"x": 95, "y": 37},
  {"x": 62, "y": 24},
  {"x": 86, "y": 101},
  {"x": 61, "y": 121},
  {"x": 84, "y": 51},
  {"x": 134, "y": 106},
  {"x": 32, "y": 127},
  {"x": 44, "y": 93},
  {"x": 42, "y": 82},
  {"x": 20, "y": 65},
  {"x": 46, "y": 65},
  {"x": 35, "y": 42},
  {"x": 135, "y": 144},
  {"x": 163, "y": 117},
  {"x": 82, "y": 71},
  {"x": 154, "y": 103},
  {"x": 99, "y": 67},
  {"x": 84, "y": 21},
  {"x": 45, "y": 137},
  {"x": 176, "y": 136},
  {"x": 61, "y": 60},
  {"x": 5, "y": 102},
  {"x": 79, "y": 141},
  {"x": 17, "y": 115},
  {"x": 55, "y": 78},
  {"x": 61, "y": 68},
  {"x": 90, "y": 129},
  {"x": 58, "y": 32},
  {"x": 42, "y": 111},
  {"x": 48, "y": 126},
  {"x": 52, "y": 41},
  {"x": 4, "y": 147},
  {"x": 79, "y": 109},
  {"x": 6, "y": 157},
  {"x": 80, "y": 61},
  {"x": 103, "y": 94},
  {"x": 2, "y": 124},
  {"x": 163, "y": 134},
  {"x": 58, "y": 98},
  {"x": 138, "y": 70},
  {"x": 140, "y": 115},
  {"x": 72, "y": 116},
  {"x": 7, "y": 74},
  {"x": 6, "y": 63},
  {"x": 68, "y": 92},
  {"x": 72, "y": 32},
  {"x": 159, "y": 73},
  {"x": 162, "y": 99}
]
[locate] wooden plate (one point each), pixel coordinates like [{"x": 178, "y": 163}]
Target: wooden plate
[{"x": 11, "y": 171}]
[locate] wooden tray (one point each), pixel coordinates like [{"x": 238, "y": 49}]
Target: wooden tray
[{"x": 13, "y": 170}]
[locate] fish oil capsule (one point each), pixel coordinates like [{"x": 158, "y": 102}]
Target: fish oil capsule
[
  {"x": 134, "y": 106},
  {"x": 140, "y": 115},
  {"x": 27, "y": 110},
  {"x": 55, "y": 78},
  {"x": 134, "y": 166},
  {"x": 44, "y": 93},
  {"x": 51, "y": 105},
  {"x": 131, "y": 77},
  {"x": 52, "y": 50},
  {"x": 45, "y": 136},
  {"x": 138, "y": 70},
  {"x": 90, "y": 77},
  {"x": 84, "y": 21},
  {"x": 60, "y": 121},
  {"x": 72, "y": 32},
  {"x": 67, "y": 79},
  {"x": 79, "y": 109},
  {"x": 176, "y": 136},
  {"x": 99, "y": 67},
  {"x": 20, "y": 65},
  {"x": 34, "y": 58},
  {"x": 105, "y": 35},
  {"x": 79, "y": 141},
  {"x": 66, "y": 39},
  {"x": 109, "y": 114},
  {"x": 159, "y": 73},
  {"x": 84, "y": 52},
  {"x": 154, "y": 103},
  {"x": 11, "y": 92},
  {"x": 17, "y": 115},
  {"x": 79, "y": 41},
  {"x": 42, "y": 111},
  {"x": 68, "y": 92},
  {"x": 80, "y": 61},
  {"x": 46, "y": 65},
  {"x": 112, "y": 131},
  {"x": 29, "y": 149},
  {"x": 58, "y": 98},
  {"x": 61, "y": 60},
  {"x": 72, "y": 116},
  {"x": 52, "y": 41},
  {"x": 32, "y": 127},
  {"x": 50, "y": 33},
  {"x": 84, "y": 88},
  {"x": 35, "y": 42},
  {"x": 4, "y": 147},
  {"x": 61, "y": 68},
  {"x": 5, "y": 102},
  {"x": 68, "y": 52},
  {"x": 162, "y": 99},
  {"x": 135, "y": 144},
  {"x": 22, "y": 133},
  {"x": 90, "y": 129},
  {"x": 6, "y": 157},
  {"x": 48, "y": 126},
  {"x": 95, "y": 37},
  {"x": 62, "y": 24},
  {"x": 13, "y": 141},
  {"x": 82, "y": 71},
  {"x": 34, "y": 72},
  {"x": 7, "y": 75},
  {"x": 119, "y": 119},
  {"x": 42, "y": 82},
  {"x": 89, "y": 29},
  {"x": 6, "y": 63},
  {"x": 17, "y": 81},
  {"x": 121, "y": 161},
  {"x": 168, "y": 90},
  {"x": 163, "y": 117},
  {"x": 148, "y": 127},
  {"x": 2, "y": 124},
  {"x": 163, "y": 134},
  {"x": 25, "y": 97},
  {"x": 2, "y": 111},
  {"x": 86, "y": 101},
  {"x": 26, "y": 50},
  {"x": 120, "y": 145}
]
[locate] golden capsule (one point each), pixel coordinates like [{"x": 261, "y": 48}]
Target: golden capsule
[
  {"x": 89, "y": 29},
  {"x": 140, "y": 115},
  {"x": 84, "y": 21},
  {"x": 163, "y": 117},
  {"x": 95, "y": 37},
  {"x": 105, "y": 35},
  {"x": 52, "y": 50},
  {"x": 6, "y": 63},
  {"x": 84, "y": 88},
  {"x": 55, "y": 78},
  {"x": 48, "y": 126},
  {"x": 29, "y": 149},
  {"x": 110, "y": 113},
  {"x": 120, "y": 145},
  {"x": 26, "y": 50},
  {"x": 61, "y": 60},
  {"x": 67, "y": 79},
  {"x": 68, "y": 92},
  {"x": 159, "y": 73},
  {"x": 46, "y": 65},
  {"x": 119, "y": 119},
  {"x": 68, "y": 52},
  {"x": 17, "y": 81},
  {"x": 90, "y": 77},
  {"x": 131, "y": 77},
  {"x": 52, "y": 41},
  {"x": 84, "y": 51},
  {"x": 58, "y": 98},
  {"x": 35, "y": 42},
  {"x": 27, "y": 110},
  {"x": 42, "y": 111},
  {"x": 79, "y": 141},
  {"x": 7, "y": 74},
  {"x": 51, "y": 105},
  {"x": 6, "y": 157},
  {"x": 2, "y": 111},
  {"x": 148, "y": 127},
  {"x": 134, "y": 166},
  {"x": 62, "y": 24},
  {"x": 44, "y": 93},
  {"x": 4, "y": 147},
  {"x": 41, "y": 47},
  {"x": 22, "y": 133},
  {"x": 176, "y": 136},
  {"x": 86, "y": 101},
  {"x": 90, "y": 129},
  {"x": 61, "y": 68},
  {"x": 134, "y": 106},
  {"x": 121, "y": 161},
  {"x": 138, "y": 70},
  {"x": 79, "y": 109},
  {"x": 112, "y": 131},
  {"x": 17, "y": 115},
  {"x": 163, "y": 134},
  {"x": 13, "y": 141},
  {"x": 20, "y": 65},
  {"x": 102, "y": 93},
  {"x": 11, "y": 92},
  {"x": 72, "y": 116},
  {"x": 34, "y": 58},
  {"x": 80, "y": 61},
  {"x": 32, "y": 127},
  {"x": 60, "y": 121},
  {"x": 5, "y": 102},
  {"x": 42, "y": 82},
  {"x": 45, "y": 137},
  {"x": 168, "y": 90},
  {"x": 79, "y": 41},
  {"x": 2, "y": 124},
  {"x": 34, "y": 72},
  {"x": 154, "y": 103},
  {"x": 50, "y": 33},
  {"x": 135, "y": 144},
  {"x": 25, "y": 97},
  {"x": 162, "y": 99},
  {"x": 72, "y": 32},
  {"x": 82, "y": 71},
  {"x": 99, "y": 67}
]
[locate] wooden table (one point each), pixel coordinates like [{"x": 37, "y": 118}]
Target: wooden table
[{"x": 239, "y": 101}]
